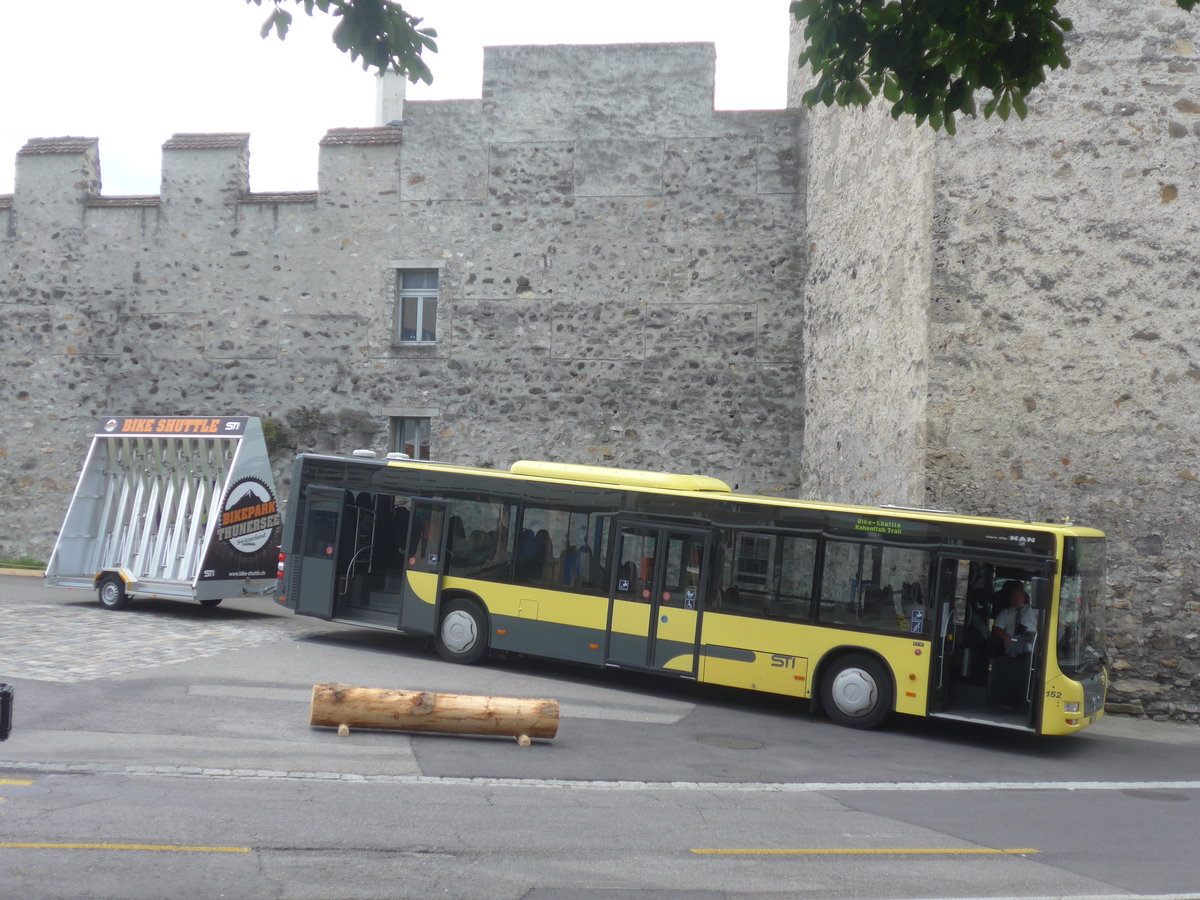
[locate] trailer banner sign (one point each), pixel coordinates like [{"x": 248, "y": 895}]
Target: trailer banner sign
[
  {"x": 246, "y": 543},
  {"x": 164, "y": 426}
]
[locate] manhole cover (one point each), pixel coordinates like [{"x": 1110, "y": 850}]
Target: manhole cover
[{"x": 731, "y": 743}]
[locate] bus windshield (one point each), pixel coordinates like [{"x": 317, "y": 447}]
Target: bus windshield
[{"x": 1082, "y": 632}]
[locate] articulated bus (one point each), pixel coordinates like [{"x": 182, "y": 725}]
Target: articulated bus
[{"x": 862, "y": 611}]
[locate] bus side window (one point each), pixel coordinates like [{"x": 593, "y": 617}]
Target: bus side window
[
  {"x": 589, "y": 540},
  {"x": 796, "y": 573},
  {"x": 322, "y": 528},
  {"x": 875, "y": 586},
  {"x": 486, "y": 550},
  {"x": 765, "y": 574},
  {"x": 562, "y": 550}
]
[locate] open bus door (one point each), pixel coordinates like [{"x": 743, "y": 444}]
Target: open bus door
[
  {"x": 975, "y": 677},
  {"x": 314, "y": 593},
  {"x": 424, "y": 564},
  {"x": 371, "y": 558},
  {"x": 656, "y": 597}
]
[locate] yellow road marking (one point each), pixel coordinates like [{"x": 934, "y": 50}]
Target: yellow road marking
[
  {"x": 18, "y": 781},
  {"x": 161, "y": 847},
  {"x": 862, "y": 851}
]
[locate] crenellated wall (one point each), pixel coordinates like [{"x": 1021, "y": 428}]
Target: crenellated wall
[{"x": 621, "y": 269}]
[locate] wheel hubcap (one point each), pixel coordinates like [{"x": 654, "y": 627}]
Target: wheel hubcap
[
  {"x": 855, "y": 692},
  {"x": 459, "y": 631}
]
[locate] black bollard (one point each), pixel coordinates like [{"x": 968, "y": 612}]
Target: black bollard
[{"x": 6, "y": 700}]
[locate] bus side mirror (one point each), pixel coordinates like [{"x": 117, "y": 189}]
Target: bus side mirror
[{"x": 1040, "y": 587}]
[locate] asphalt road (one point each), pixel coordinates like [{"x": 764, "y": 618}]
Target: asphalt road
[{"x": 165, "y": 750}]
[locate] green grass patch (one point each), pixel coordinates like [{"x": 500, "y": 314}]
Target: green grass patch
[{"x": 21, "y": 562}]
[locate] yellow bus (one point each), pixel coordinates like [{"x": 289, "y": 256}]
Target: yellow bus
[{"x": 862, "y": 611}]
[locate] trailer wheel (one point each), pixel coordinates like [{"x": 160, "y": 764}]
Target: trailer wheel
[
  {"x": 211, "y": 602},
  {"x": 462, "y": 634},
  {"x": 857, "y": 691},
  {"x": 112, "y": 592}
]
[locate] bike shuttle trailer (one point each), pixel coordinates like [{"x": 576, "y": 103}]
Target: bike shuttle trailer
[{"x": 174, "y": 507}]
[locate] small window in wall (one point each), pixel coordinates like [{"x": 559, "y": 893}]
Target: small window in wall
[
  {"x": 411, "y": 436},
  {"x": 416, "y": 306}
]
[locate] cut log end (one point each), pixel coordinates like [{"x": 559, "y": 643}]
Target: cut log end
[
  {"x": 524, "y": 740},
  {"x": 343, "y": 730}
]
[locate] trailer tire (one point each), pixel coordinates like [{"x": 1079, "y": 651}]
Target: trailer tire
[
  {"x": 111, "y": 590},
  {"x": 462, "y": 634},
  {"x": 212, "y": 601}
]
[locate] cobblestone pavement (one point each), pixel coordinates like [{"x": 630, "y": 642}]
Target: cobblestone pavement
[{"x": 77, "y": 641}]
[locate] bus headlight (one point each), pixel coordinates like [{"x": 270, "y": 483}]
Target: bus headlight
[{"x": 1072, "y": 707}]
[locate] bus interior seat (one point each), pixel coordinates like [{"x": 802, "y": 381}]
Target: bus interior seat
[{"x": 911, "y": 596}]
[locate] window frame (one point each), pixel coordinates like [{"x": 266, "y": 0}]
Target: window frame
[
  {"x": 424, "y": 297},
  {"x": 396, "y": 435}
]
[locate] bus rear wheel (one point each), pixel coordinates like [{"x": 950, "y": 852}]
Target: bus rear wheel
[
  {"x": 215, "y": 601},
  {"x": 857, "y": 691},
  {"x": 111, "y": 591},
  {"x": 462, "y": 634}
]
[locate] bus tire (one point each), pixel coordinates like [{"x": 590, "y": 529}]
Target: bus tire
[
  {"x": 856, "y": 691},
  {"x": 215, "y": 601},
  {"x": 111, "y": 590},
  {"x": 462, "y": 634}
]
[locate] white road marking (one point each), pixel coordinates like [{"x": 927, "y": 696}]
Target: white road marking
[{"x": 789, "y": 787}]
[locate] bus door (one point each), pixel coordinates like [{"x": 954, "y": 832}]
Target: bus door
[
  {"x": 317, "y": 556},
  {"x": 656, "y": 597},
  {"x": 424, "y": 563},
  {"x": 975, "y": 675}
]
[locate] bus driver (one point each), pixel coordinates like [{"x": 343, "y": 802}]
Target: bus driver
[{"x": 1016, "y": 624}]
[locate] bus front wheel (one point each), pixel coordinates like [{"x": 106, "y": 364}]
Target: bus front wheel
[
  {"x": 462, "y": 634},
  {"x": 856, "y": 691},
  {"x": 111, "y": 590}
]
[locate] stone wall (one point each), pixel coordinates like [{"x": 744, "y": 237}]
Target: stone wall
[
  {"x": 869, "y": 203},
  {"x": 1065, "y": 325},
  {"x": 621, "y": 282}
]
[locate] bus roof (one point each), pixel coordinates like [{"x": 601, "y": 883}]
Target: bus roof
[
  {"x": 624, "y": 477},
  {"x": 711, "y": 489}
]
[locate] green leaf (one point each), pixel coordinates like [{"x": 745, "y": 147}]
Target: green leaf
[{"x": 279, "y": 20}]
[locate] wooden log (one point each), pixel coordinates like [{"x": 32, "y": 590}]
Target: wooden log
[{"x": 337, "y": 705}]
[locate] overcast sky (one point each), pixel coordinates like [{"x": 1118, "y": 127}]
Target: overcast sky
[{"x": 134, "y": 72}]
